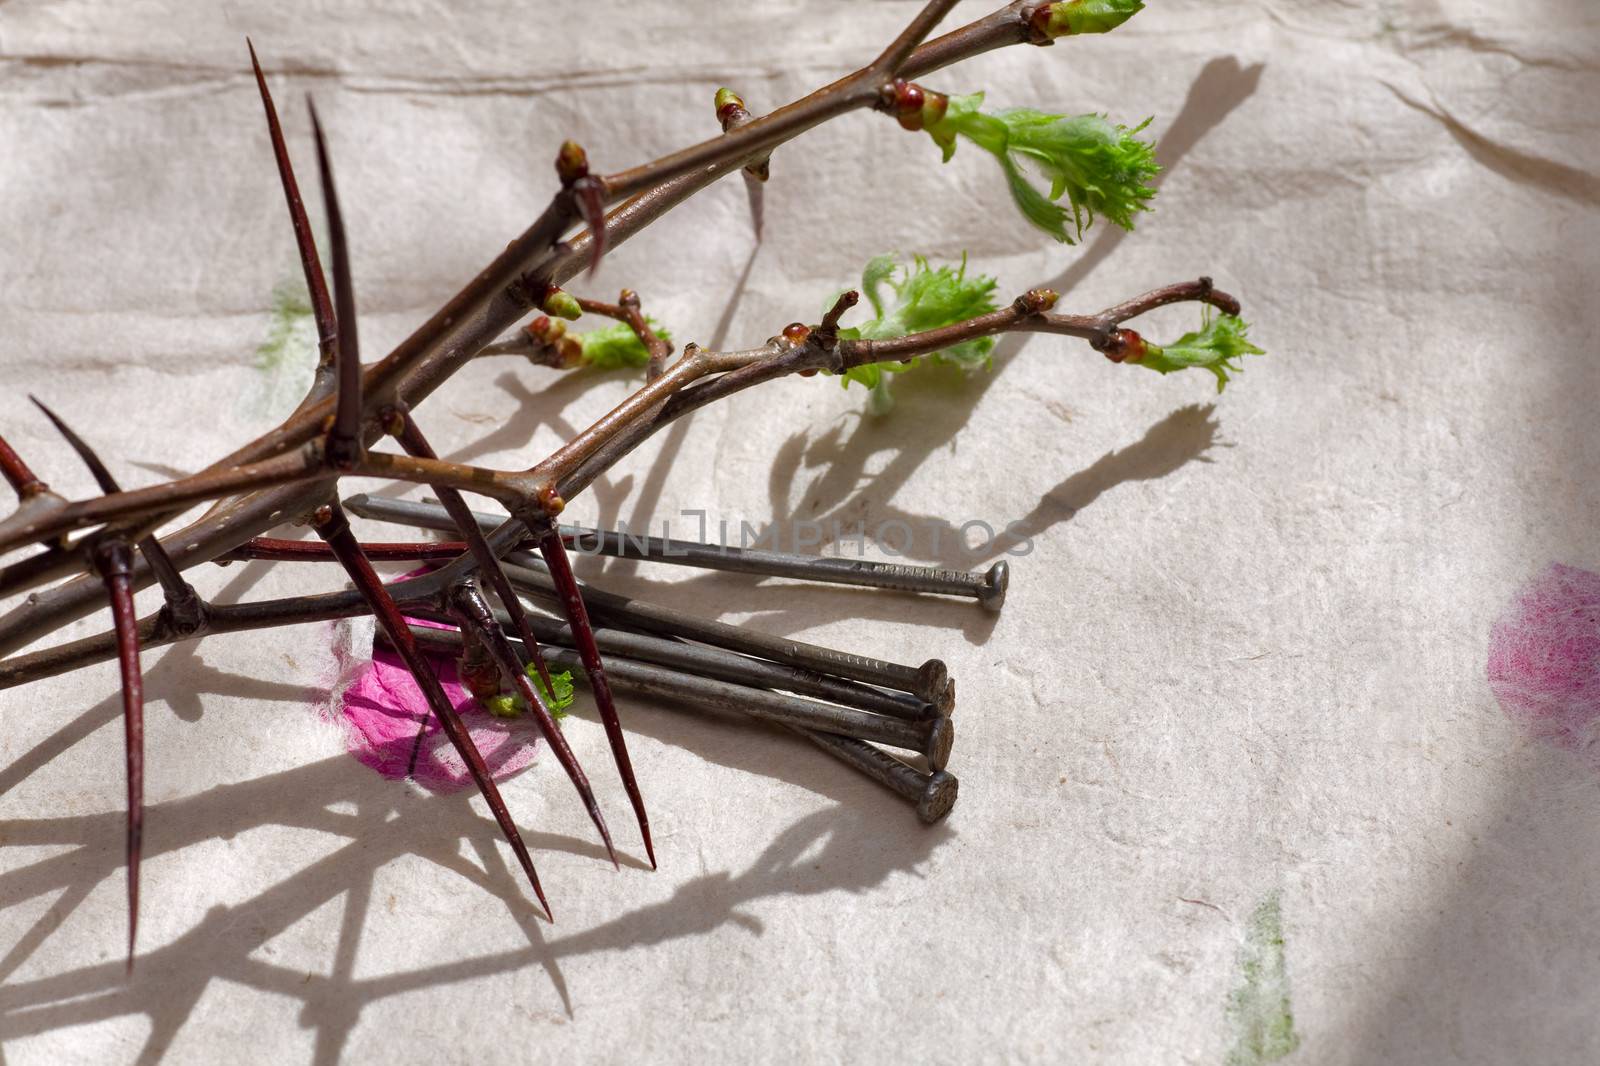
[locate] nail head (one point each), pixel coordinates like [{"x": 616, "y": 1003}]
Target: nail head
[
  {"x": 993, "y": 595},
  {"x": 938, "y": 797},
  {"x": 932, "y": 677},
  {"x": 941, "y": 739}
]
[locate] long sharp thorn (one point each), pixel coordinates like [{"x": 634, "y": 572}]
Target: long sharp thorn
[
  {"x": 473, "y": 612},
  {"x": 344, "y": 436},
  {"x": 555, "y": 557},
  {"x": 102, "y": 476},
  {"x": 22, "y": 478},
  {"x": 179, "y": 594},
  {"x": 332, "y": 526},
  {"x": 310, "y": 262},
  {"x": 115, "y": 563},
  {"x": 412, "y": 440}
]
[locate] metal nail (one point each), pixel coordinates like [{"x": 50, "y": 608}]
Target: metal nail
[
  {"x": 929, "y": 682},
  {"x": 933, "y": 794},
  {"x": 932, "y": 739},
  {"x": 987, "y": 587},
  {"x": 724, "y": 665}
]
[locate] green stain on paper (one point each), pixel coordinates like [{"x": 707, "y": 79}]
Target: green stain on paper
[
  {"x": 1259, "y": 1008},
  {"x": 288, "y": 355}
]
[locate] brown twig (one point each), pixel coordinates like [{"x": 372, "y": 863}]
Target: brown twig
[
  {"x": 627, "y": 309},
  {"x": 285, "y": 473},
  {"x": 155, "y": 631},
  {"x": 732, "y": 114},
  {"x": 490, "y": 303},
  {"x": 887, "y": 66}
]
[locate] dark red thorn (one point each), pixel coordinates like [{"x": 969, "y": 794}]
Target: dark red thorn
[
  {"x": 114, "y": 561},
  {"x": 310, "y": 263},
  {"x": 591, "y": 205},
  {"x": 473, "y": 614},
  {"x": 332, "y": 526},
  {"x": 102, "y": 476},
  {"x": 344, "y": 435},
  {"x": 412, "y": 440},
  {"x": 182, "y": 601},
  {"x": 19, "y": 474},
  {"x": 555, "y": 557}
]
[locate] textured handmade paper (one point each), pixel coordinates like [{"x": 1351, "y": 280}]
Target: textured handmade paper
[{"x": 1235, "y": 787}]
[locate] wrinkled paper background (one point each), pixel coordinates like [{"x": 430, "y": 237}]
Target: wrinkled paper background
[{"x": 1229, "y": 762}]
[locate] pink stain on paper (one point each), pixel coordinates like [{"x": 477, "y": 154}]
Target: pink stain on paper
[
  {"x": 1544, "y": 657},
  {"x": 383, "y": 709}
]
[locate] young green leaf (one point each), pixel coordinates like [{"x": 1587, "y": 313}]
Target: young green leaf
[
  {"x": 511, "y": 706},
  {"x": 616, "y": 346},
  {"x": 504, "y": 705},
  {"x": 1102, "y": 168},
  {"x": 1213, "y": 347},
  {"x": 920, "y": 297}
]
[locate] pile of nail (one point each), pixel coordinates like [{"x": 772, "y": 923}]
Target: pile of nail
[{"x": 848, "y": 705}]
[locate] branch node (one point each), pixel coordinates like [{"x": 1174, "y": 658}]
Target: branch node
[
  {"x": 587, "y": 193},
  {"x": 557, "y": 301},
  {"x": 393, "y": 419},
  {"x": 830, "y": 321},
  {"x": 1035, "y": 301},
  {"x": 572, "y": 163},
  {"x": 549, "y": 499},
  {"x": 913, "y": 106},
  {"x": 731, "y": 114},
  {"x": 1037, "y": 20},
  {"x": 1119, "y": 345},
  {"x": 730, "y": 108}
]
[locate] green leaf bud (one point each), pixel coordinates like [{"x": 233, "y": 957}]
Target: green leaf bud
[
  {"x": 560, "y": 303},
  {"x": 1064, "y": 19}
]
